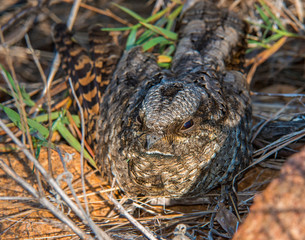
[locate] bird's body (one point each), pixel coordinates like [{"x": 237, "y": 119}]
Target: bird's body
[{"x": 180, "y": 132}]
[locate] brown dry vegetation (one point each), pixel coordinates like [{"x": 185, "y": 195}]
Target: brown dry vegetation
[{"x": 277, "y": 83}]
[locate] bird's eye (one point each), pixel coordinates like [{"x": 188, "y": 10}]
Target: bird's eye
[{"x": 187, "y": 125}]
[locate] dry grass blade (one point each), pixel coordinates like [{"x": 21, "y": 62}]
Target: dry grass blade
[
  {"x": 52, "y": 182},
  {"x": 145, "y": 231},
  {"x": 20, "y": 33},
  {"x": 106, "y": 12},
  {"x": 299, "y": 7},
  {"x": 262, "y": 57},
  {"x": 17, "y": 96},
  {"x": 271, "y": 118},
  {"x": 287, "y": 95},
  {"x": 274, "y": 148},
  {"x": 278, "y": 144},
  {"x": 82, "y": 145},
  {"x": 43, "y": 76},
  {"x": 43, "y": 200},
  {"x": 79, "y": 133}
]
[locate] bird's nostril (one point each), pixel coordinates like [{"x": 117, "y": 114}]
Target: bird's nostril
[{"x": 151, "y": 140}]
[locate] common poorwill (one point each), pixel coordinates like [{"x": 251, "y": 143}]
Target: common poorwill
[{"x": 178, "y": 132}]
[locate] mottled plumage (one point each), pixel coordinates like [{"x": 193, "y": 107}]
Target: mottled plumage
[
  {"x": 90, "y": 77},
  {"x": 178, "y": 132}
]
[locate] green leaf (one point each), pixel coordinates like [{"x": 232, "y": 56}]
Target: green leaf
[
  {"x": 45, "y": 117},
  {"x": 175, "y": 13},
  {"x": 268, "y": 26},
  {"x": 56, "y": 115},
  {"x": 161, "y": 22},
  {"x": 165, "y": 33},
  {"x": 131, "y": 38},
  {"x": 164, "y": 65},
  {"x": 144, "y": 37},
  {"x": 285, "y": 33},
  {"x": 33, "y": 125},
  {"x": 117, "y": 29},
  {"x": 258, "y": 44},
  {"x": 157, "y": 15},
  {"x": 129, "y": 12},
  {"x": 65, "y": 133},
  {"x": 25, "y": 96},
  {"x": 173, "y": 16},
  {"x": 37, "y": 126},
  {"x": 153, "y": 42},
  {"x": 273, "y": 38},
  {"x": 9, "y": 77},
  {"x": 13, "y": 116},
  {"x": 277, "y": 20},
  {"x": 37, "y": 152},
  {"x": 169, "y": 50},
  {"x": 4, "y": 90},
  {"x": 262, "y": 14},
  {"x": 267, "y": 30}
]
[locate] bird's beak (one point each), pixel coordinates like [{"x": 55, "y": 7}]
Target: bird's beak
[{"x": 151, "y": 140}]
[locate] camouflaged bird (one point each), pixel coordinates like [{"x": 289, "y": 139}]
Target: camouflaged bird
[{"x": 178, "y": 132}]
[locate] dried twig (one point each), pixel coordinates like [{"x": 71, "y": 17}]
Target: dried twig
[
  {"x": 283, "y": 141},
  {"x": 18, "y": 34},
  {"x": 43, "y": 200},
  {"x": 262, "y": 57},
  {"x": 300, "y": 9},
  {"x": 18, "y": 100},
  {"x": 44, "y": 79},
  {"x": 52, "y": 182},
  {"x": 17, "y": 16},
  {"x": 82, "y": 144},
  {"x": 106, "y": 12},
  {"x": 288, "y": 95},
  {"x": 130, "y": 218},
  {"x": 274, "y": 116}
]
